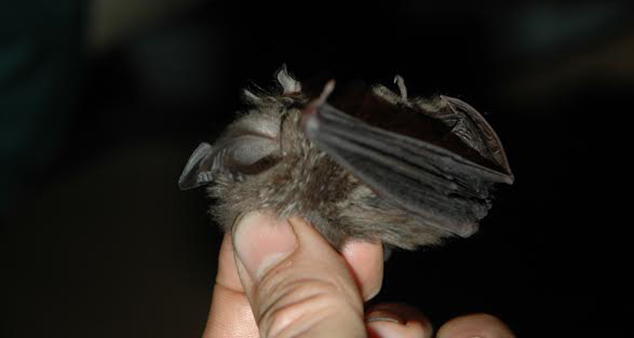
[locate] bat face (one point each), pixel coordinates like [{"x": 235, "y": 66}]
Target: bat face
[{"x": 377, "y": 167}]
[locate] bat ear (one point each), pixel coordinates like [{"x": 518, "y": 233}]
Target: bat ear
[
  {"x": 239, "y": 155},
  {"x": 476, "y": 133}
]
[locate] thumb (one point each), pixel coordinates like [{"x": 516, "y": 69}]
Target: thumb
[{"x": 296, "y": 283}]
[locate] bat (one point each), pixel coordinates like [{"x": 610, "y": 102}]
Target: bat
[{"x": 364, "y": 163}]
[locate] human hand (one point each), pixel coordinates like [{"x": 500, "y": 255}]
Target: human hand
[{"x": 282, "y": 279}]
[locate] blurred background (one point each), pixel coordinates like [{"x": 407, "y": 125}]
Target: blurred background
[{"x": 103, "y": 101}]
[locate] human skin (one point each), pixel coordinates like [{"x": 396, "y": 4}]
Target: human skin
[{"x": 280, "y": 278}]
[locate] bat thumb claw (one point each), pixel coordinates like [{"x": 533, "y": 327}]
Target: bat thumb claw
[
  {"x": 325, "y": 93},
  {"x": 400, "y": 82}
]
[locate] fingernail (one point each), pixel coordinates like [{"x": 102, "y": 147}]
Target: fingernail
[
  {"x": 382, "y": 324},
  {"x": 384, "y": 316},
  {"x": 262, "y": 241}
]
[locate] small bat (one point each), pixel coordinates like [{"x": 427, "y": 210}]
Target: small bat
[{"x": 371, "y": 165}]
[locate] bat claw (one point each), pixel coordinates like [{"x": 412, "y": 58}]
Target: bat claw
[
  {"x": 400, "y": 82},
  {"x": 328, "y": 89}
]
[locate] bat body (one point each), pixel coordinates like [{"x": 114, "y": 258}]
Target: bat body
[{"x": 373, "y": 165}]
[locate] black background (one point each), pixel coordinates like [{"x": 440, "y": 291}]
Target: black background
[{"x": 98, "y": 241}]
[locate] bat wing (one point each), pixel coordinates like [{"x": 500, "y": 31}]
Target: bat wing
[{"x": 437, "y": 164}]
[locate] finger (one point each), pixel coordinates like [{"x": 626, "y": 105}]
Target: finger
[
  {"x": 230, "y": 314},
  {"x": 476, "y": 325},
  {"x": 227, "y": 275},
  {"x": 296, "y": 283},
  {"x": 365, "y": 261},
  {"x": 397, "y": 320}
]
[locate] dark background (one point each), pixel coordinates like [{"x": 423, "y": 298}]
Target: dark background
[{"x": 101, "y": 104}]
